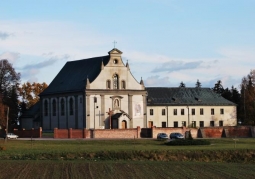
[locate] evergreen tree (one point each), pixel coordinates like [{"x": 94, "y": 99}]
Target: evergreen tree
[
  {"x": 247, "y": 100},
  {"x": 218, "y": 88},
  {"x": 182, "y": 85},
  {"x": 198, "y": 84}
]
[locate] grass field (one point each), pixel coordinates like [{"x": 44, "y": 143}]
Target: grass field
[{"x": 143, "y": 158}]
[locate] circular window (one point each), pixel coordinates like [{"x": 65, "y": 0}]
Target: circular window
[{"x": 115, "y": 61}]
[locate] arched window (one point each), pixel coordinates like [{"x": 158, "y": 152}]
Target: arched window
[
  {"x": 71, "y": 106},
  {"x": 108, "y": 84},
  {"x": 123, "y": 84},
  {"x": 62, "y": 107},
  {"x": 45, "y": 108},
  {"x": 115, "y": 81},
  {"x": 54, "y": 107}
]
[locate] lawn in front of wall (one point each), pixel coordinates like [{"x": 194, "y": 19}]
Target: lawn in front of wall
[
  {"x": 120, "y": 145},
  {"x": 45, "y": 148}
]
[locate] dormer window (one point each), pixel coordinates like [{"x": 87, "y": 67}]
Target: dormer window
[{"x": 115, "y": 61}]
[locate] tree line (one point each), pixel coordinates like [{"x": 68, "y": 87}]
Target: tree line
[
  {"x": 15, "y": 97},
  {"x": 243, "y": 98}
]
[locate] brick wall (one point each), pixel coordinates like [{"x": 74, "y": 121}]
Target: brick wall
[
  {"x": 61, "y": 133},
  {"x": 34, "y": 133},
  {"x": 205, "y": 132},
  {"x": 117, "y": 133},
  {"x": 97, "y": 133},
  {"x": 210, "y": 132},
  {"x": 237, "y": 131},
  {"x": 169, "y": 130}
]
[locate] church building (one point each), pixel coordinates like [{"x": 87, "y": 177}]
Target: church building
[
  {"x": 95, "y": 93},
  {"x": 102, "y": 93}
]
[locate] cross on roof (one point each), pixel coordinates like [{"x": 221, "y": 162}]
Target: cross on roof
[{"x": 114, "y": 42}]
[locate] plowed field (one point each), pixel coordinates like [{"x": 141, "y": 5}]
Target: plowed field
[{"x": 123, "y": 169}]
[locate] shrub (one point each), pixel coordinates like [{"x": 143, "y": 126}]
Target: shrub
[
  {"x": 189, "y": 142},
  {"x": 2, "y": 148}
]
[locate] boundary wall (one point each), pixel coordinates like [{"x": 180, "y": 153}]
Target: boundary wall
[
  {"x": 209, "y": 132},
  {"x": 32, "y": 133},
  {"x": 97, "y": 133},
  {"x": 203, "y": 132}
]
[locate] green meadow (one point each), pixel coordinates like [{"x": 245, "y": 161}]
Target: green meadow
[{"x": 133, "y": 158}]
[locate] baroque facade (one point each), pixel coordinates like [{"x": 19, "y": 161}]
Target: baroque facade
[{"x": 101, "y": 93}]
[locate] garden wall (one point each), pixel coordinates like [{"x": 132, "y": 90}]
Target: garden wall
[
  {"x": 238, "y": 131},
  {"x": 203, "y": 132},
  {"x": 32, "y": 133},
  {"x": 22, "y": 133},
  {"x": 169, "y": 130},
  {"x": 97, "y": 133},
  {"x": 210, "y": 132}
]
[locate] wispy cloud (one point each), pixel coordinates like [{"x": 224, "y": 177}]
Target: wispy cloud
[
  {"x": 29, "y": 72},
  {"x": 153, "y": 81},
  {"x": 182, "y": 65},
  {"x": 4, "y": 35},
  {"x": 10, "y": 56},
  {"x": 48, "y": 62}
]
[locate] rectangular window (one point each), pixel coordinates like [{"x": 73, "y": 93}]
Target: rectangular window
[
  {"x": 201, "y": 123},
  {"x": 212, "y": 111},
  {"x": 163, "y": 112},
  {"x": 212, "y": 123},
  {"x": 182, "y": 111},
  {"x": 193, "y": 124},
  {"x": 221, "y": 111},
  {"x": 175, "y": 123},
  {"x": 175, "y": 112},
  {"x": 193, "y": 112},
  {"x": 220, "y": 123},
  {"x": 201, "y": 111},
  {"x": 164, "y": 124},
  {"x": 151, "y": 112},
  {"x": 184, "y": 123}
]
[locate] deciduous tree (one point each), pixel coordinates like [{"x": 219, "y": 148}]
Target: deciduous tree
[
  {"x": 9, "y": 82},
  {"x": 29, "y": 93}
]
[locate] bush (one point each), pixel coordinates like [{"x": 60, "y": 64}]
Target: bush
[
  {"x": 188, "y": 142},
  {"x": 2, "y": 148}
]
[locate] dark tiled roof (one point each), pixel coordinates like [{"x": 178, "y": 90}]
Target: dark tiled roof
[
  {"x": 116, "y": 116},
  {"x": 73, "y": 76},
  {"x": 32, "y": 111},
  {"x": 185, "y": 96}
]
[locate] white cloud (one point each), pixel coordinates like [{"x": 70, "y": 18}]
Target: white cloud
[
  {"x": 156, "y": 81},
  {"x": 10, "y": 56}
]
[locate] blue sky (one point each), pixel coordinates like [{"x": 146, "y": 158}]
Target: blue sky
[{"x": 164, "y": 41}]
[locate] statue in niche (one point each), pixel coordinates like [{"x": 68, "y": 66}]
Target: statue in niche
[
  {"x": 116, "y": 103},
  {"x": 137, "y": 109}
]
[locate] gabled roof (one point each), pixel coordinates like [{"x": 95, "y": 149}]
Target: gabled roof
[
  {"x": 73, "y": 76},
  {"x": 185, "y": 96},
  {"x": 114, "y": 50},
  {"x": 32, "y": 111}
]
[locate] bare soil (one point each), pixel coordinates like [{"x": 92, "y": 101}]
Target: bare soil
[{"x": 122, "y": 169}]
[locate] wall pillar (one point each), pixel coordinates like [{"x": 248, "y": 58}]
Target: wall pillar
[
  {"x": 70, "y": 133},
  {"x": 88, "y": 111},
  {"x": 138, "y": 132},
  {"x": 145, "y": 111},
  {"x": 55, "y": 133},
  {"x": 130, "y": 110}
]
